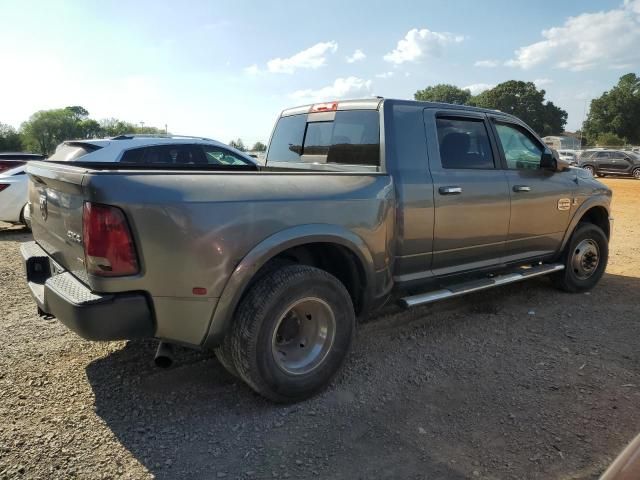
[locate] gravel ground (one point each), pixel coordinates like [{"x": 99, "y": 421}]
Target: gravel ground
[{"x": 518, "y": 382}]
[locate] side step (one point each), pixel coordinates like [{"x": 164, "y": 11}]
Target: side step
[{"x": 477, "y": 285}]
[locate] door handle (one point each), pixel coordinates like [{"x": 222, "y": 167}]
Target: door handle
[
  {"x": 521, "y": 188},
  {"x": 450, "y": 190}
]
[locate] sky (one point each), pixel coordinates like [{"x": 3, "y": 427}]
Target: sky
[{"x": 226, "y": 69}]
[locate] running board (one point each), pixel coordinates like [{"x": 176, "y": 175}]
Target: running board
[{"x": 477, "y": 285}]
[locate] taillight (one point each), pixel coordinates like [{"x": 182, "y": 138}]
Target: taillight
[
  {"x": 108, "y": 245},
  {"x": 3, "y": 186},
  {"x": 9, "y": 164}
]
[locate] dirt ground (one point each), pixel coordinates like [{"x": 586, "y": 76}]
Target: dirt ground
[{"x": 517, "y": 382}]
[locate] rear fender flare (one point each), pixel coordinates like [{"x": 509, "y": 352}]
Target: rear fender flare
[{"x": 268, "y": 249}]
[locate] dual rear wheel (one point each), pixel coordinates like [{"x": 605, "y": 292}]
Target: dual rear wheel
[{"x": 290, "y": 334}]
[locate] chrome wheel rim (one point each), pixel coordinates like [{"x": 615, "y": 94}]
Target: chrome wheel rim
[
  {"x": 303, "y": 336},
  {"x": 589, "y": 169},
  {"x": 585, "y": 259}
]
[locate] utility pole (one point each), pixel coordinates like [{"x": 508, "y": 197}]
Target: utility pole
[
  {"x": 584, "y": 114},
  {"x": 166, "y": 130},
  {"x": 141, "y": 124}
]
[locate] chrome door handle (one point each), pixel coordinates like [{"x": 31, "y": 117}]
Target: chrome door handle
[
  {"x": 521, "y": 188},
  {"x": 450, "y": 190}
]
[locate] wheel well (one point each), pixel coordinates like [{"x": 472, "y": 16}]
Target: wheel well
[
  {"x": 335, "y": 259},
  {"x": 598, "y": 216}
]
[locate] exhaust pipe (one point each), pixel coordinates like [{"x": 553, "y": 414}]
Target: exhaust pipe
[{"x": 164, "y": 355}]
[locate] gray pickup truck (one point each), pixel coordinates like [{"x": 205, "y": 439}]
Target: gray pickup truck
[{"x": 358, "y": 202}]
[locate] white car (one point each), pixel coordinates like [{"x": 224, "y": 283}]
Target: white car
[{"x": 13, "y": 196}]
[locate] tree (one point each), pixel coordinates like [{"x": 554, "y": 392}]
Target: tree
[
  {"x": 238, "y": 144},
  {"x": 616, "y": 111},
  {"x": 608, "y": 139},
  {"x": 259, "y": 147},
  {"x": 526, "y": 102},
  {"x": 444, "y": 93},
  {"x": 45, "y": 129},
  {"x": 10, "y": 140}
]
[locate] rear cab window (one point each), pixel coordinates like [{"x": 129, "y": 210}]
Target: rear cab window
[{"x": 345, "y": 140}]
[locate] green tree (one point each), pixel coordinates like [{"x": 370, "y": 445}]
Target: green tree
[
  {"x": 526, "y": 102},
  {"x": 259, "y": 147},
  {"x": 616, "y": 111},
  {"x": 444, "y": 93},
  {"x": 238, "y": 144},
  {"x": 608, "y": 139},
  {"x": 45, "y": 129},
  {"x": 10, "y": 140}
]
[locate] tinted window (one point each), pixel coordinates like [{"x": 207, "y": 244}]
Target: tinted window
[
  {"x": 464, "y": 143},
  {"x": 286, "y": 142},
  {"x": 221, "y": 156},
  {"x": 66, "y": 152},
  {"x": 351, "y": 138},
  {"x": 174, "y": 155},
  {"x": 521, "y": 151},
  {"x": 618, "y": 155},
  {"x": 135, "y": 155}
]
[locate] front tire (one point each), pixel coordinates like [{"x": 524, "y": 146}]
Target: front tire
[
  {"x": 292, "y": 332},
  {"x": 585, "y": 259},
  {"x": 636, "y": 173},
  {"x": 590, "y": 169}
]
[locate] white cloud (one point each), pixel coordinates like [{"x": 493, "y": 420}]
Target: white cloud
[
  {"x": 541, "y": 82},
  {"x": 477, "y": 88},
  {"x": 602, "y": 39},
  {"x": 311, "y": 58},
  {"x": 341, "y": 88},
  {"x": 487, "y": 63},
  {"x": 357, "y": 56},
  {"x": 421, "y": 43},
  {"x": 385, "y": 75},
  {"x": 252, "y": 70}
]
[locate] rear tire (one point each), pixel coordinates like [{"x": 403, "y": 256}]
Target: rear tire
[
  {"x": 223, "y": 354},
  {"x": 585, "y": 259},
  {"x": 590, "y": 169},
  {"x": 636, "y": 173},
  {"x": 292, "y": 332}
]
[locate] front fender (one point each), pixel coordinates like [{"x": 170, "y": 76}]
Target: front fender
[
  {"x": 600, "y": 200},
  {"x": 268, "y": 249}
]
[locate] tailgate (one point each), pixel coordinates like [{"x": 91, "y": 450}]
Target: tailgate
[{"x": 56, "y": 199}]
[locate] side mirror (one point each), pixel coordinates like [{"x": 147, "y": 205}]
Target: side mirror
[{"x": 548, "y": 161}]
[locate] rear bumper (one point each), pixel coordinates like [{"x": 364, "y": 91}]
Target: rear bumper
[{"x": 93, "y": 316}]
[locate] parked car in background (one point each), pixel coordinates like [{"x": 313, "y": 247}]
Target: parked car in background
[
  {"x": 13, "y": 195},
  {"x": 358, "y": 201},
  {"x": 9, "y": 160},
  {"x": 570, "y": 156},
  {"x": 152, "y": 150},
  {"x": 603, "y": 162}
]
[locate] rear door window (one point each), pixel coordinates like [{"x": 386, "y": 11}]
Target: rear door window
[
  {"x": 174, "y": 155},
  {"x": 464, "y": 143},
  {"x": 352, "y": 137}
]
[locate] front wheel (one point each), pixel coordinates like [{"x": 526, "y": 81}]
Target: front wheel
[
  {"x": 590, "y": 169},
  {"x": 292, "y": 332},
  {"x": 585, "y": 259},
  {"x": 636, "y": 173}
]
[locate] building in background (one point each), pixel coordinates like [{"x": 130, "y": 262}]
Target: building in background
[{"x": 566, "y": 141}]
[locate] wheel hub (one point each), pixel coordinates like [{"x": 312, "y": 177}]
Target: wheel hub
[
  {"x": 303, "y": 336},
  {"x": 586, "y": 258}
]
